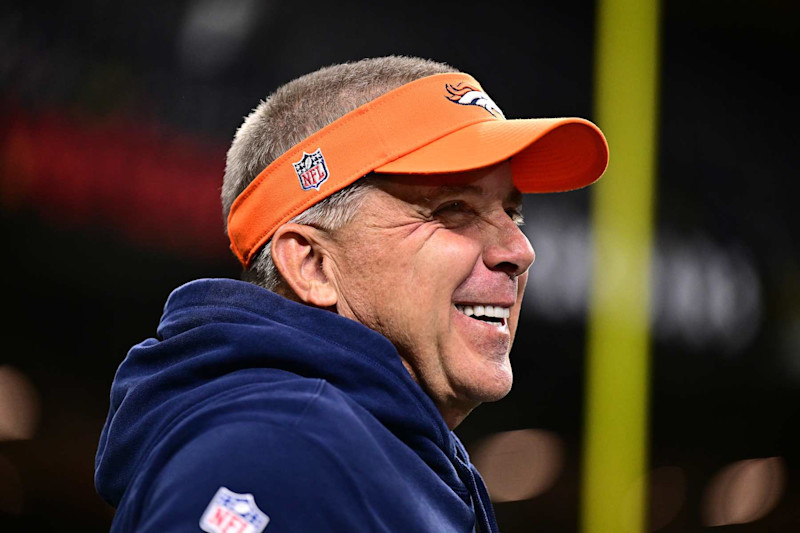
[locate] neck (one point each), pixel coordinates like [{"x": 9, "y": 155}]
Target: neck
[{"x": 453, "y": 411}]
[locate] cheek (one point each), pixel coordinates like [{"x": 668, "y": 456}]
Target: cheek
[
  {"x": 411, "y": 276},
  {"x": 450, "y": 259},
  {"x": 380, "y": 278},
  {"x": 360, "y": 273}
]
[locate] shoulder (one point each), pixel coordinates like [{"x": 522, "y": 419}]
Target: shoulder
[
  {"x": 308, "y": 421},
  {"x": 274, "y": 398},
  {"x": 305, "y": 453},
  {"x": 301, "y": 480},
  {"x": 327, "y": 466},
  {"x": 287, "y": 474}
]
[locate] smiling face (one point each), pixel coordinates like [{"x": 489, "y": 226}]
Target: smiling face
[{"x": 438, "y": 265}]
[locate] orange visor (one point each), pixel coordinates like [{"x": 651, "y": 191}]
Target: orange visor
[{"x": 438, "y": 124}]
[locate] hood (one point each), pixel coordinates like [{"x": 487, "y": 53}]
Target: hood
[{"x": 217, "y": 334}]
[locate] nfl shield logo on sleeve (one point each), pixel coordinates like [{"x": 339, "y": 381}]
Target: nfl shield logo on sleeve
[
  {"x": 230, "y": 512},
  {"x": 311, "y": 170}
]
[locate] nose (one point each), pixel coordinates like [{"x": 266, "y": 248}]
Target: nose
[{"x": 507, "y": 249}]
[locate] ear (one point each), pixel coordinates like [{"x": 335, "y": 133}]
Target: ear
[{"x": 298, "y": 253}]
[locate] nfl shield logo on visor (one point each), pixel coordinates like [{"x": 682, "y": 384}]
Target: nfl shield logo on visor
[{"x": 311, "y": 170}]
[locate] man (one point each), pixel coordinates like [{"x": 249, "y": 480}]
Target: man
[{"x": 374, "y": 207}]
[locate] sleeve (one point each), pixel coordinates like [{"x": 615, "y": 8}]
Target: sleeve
[{"x": 242, "y": 477}]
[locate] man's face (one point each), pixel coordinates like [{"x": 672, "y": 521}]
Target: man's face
[{"x": 422, "y": 255}]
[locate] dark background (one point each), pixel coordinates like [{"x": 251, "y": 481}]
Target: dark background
[{"x": 114, "y": 122}]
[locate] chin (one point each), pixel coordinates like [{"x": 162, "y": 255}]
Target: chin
[{"x": 492, "y": 385}]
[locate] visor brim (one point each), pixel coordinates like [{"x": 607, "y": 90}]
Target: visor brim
[{"x": 547, "y": 155}]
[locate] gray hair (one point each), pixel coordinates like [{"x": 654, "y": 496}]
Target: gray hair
[{"x": 295, "y": 111}]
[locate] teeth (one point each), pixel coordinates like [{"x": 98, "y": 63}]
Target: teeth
[{"x": 485, "y": 310}]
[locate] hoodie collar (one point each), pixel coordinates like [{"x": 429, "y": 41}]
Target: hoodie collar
[{"x": 318, "y": 343}]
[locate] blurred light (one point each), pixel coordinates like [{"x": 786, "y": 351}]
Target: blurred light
[
  {"x": 11, "y": 492},
  {"x": 705, "y": 295},
  {"x": 744, "y": 491},
  {"x": 19, "y": 405},
  {"x": 136, "y": 166},
  {"x": 667, "y": 495},
  {"x": 214, "y": 31},
  {"x": 518, "y": 465}
]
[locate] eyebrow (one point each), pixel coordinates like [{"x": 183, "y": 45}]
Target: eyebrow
[{"x": 442, "y": 191}]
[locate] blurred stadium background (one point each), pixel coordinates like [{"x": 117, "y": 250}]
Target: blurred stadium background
[{"x": 114, "y": 122}]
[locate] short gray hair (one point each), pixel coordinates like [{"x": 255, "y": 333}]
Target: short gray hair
[{"x": 295, "y": 111}]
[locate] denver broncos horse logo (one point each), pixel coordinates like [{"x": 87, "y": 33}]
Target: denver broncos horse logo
[{"x": 467, "y": 95}]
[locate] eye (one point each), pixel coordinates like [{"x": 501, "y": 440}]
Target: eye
[
  {"x": 455, "y": 213},
  {"x": 515, "y": 214},
  {"x": 453, "y": 206}
]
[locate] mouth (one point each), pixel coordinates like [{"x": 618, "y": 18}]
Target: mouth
[{"x": 489, "y": 314}]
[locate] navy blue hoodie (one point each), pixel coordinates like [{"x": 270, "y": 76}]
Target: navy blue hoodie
[{"x": 310, "y": 414}]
